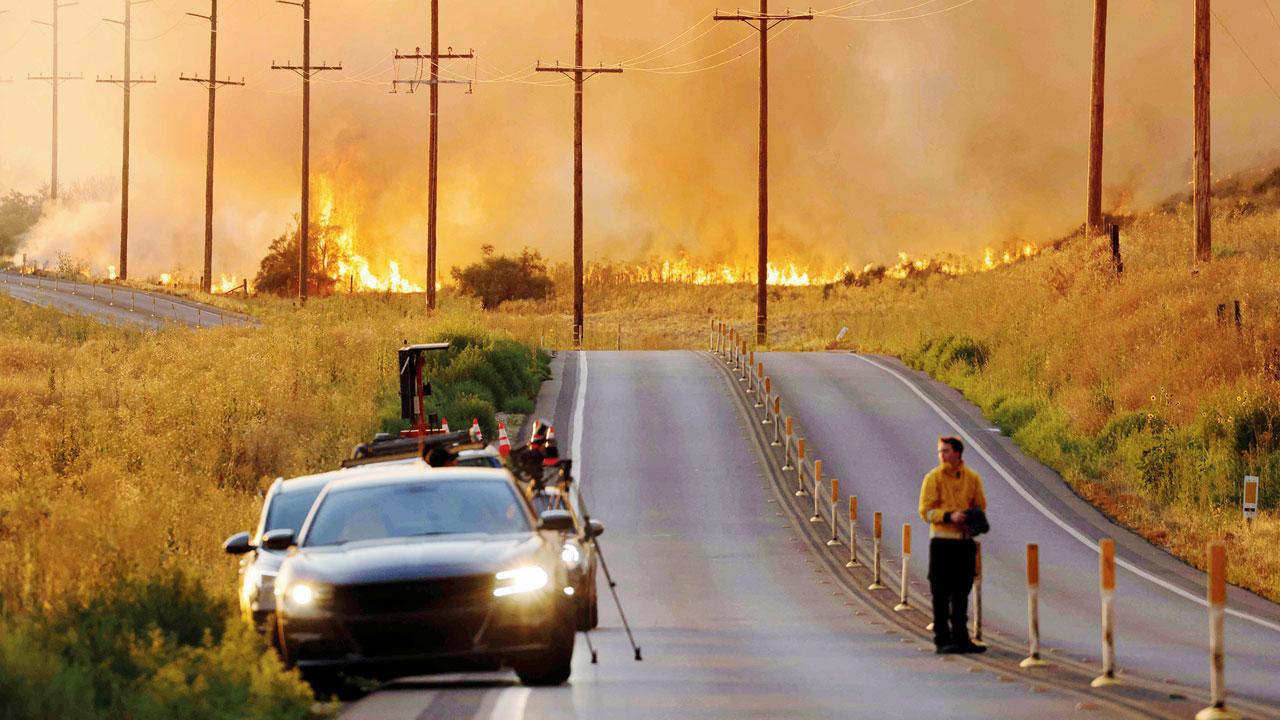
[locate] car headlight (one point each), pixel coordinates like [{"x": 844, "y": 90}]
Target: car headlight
[
  {"x": 571, "y": 555},
  {"x": 301, "y": 598},
  {"x": 520, "y": 580}
]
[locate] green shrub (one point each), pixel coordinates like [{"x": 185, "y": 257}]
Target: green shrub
[
  {"x": 497, "y": 279},
  {"x": 465, "y": 407},
  {"x": 1012, "y": 414}
]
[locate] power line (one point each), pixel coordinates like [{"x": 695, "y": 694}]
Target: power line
[
  {"x": 1244, "y": 52},
  {"x": 305, "y": 71},
  {"x": 54, "y": 79},
  {"x": 763, "y": 22},
  {"x": 433, "y": 153},
  {"x": 126, "y": 83},
  {"x": 877, "y": 17},
  {"x": 212, "y": 83},
  {"x": 580, "y": 74}
]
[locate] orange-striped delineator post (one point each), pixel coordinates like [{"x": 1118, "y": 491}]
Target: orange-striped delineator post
[
  {"x": 750, "y": 370},
  {"x": 1107, "y": 576},
  {"x": 786, "y": 447},
  {"x": 816, "y": 517},
  {"x": 1217, "y": 596},
  {"x": 903, "y": 605},
  {"x": 835, "y": 505},
  {"x": 800, "y": 491},
  {"x": 875, "y": 553},
  {"x": 853, "y": 532},
  {"x": 768, "y": 405},
  {"x": 777, "y": 417},
  {"x": 1033, "y": 659},
  {"x": 760, "y": 395}
]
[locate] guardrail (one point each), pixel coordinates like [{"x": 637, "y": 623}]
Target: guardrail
[{"x": 733, "y": 349}]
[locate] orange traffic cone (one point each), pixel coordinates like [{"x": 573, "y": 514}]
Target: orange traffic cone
[
  {"x": 550, "y": 450},
  {"x": 477, "y": 435},
  {"x": 444, "y": 424},
  {"x": 504, "y": 442}
]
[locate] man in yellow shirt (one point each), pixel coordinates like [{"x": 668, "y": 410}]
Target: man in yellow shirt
[{"x": 946, "y": 495}]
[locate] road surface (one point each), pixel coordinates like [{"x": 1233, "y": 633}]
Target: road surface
[
  {"x": 875, "y": 423},
  {"x": 117, "y": 305},
  {"x": 735, "y": 616}
]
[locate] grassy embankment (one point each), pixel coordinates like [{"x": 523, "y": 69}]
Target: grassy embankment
[
  {"x": 126, "y": 458},
  {"x": 1149, "y": 406}
]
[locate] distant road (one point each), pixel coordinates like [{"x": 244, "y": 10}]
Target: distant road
[
  {"x": 117, "y": 305},
  {"x": 875, "y": 424}
]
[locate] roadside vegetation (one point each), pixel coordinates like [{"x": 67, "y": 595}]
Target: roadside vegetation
[{"x": 126, "y": 458}]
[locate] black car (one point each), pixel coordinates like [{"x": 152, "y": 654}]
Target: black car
[{"x": 425, "y": 570}]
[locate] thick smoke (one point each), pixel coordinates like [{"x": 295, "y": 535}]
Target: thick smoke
[{"x": 945, "y": 133}]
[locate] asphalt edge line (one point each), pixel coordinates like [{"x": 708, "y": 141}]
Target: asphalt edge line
[
  {"x": 1026, "y": 495},
  {"x": 816, "y": 544}
]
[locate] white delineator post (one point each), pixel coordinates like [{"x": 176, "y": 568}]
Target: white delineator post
[
  {"x": 800, "y": 491},
  {"x": 903, "y": 605},
  {"x": 786, "y": 448},
  {"x": 835, "y": 505},
  {"x": 1217, "y": 709},
  {"x": 1033, "y": 659},
  {"x": 853, "y": 532},
  {"x": 816, "y": 517},
  {"x": 875, "y": 553},
  {"x": 1107, "y": 568}
]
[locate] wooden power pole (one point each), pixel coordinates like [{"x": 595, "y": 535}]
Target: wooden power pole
[
  {"x": 212, "y": 83},
  {"x": 126, "y": 83},
  {"x": 433, "y": 153},
  {"x": 1201, "y": 221},
  {"x": 1093, "y": 218},
  {"x": 55, "y": 79},
  {"x": 580, "y": 74},
  {"x": 763, "y": 22},
  {"x": 305, "y": 71}
]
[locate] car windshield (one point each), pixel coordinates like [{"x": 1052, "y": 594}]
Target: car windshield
[
  {"x": 436, "y": 507},
  {"x": 289, "y": 508}
]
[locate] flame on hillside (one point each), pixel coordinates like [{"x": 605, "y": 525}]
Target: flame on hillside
[
  {"x": 684, "y": 271},
  {"x": 337, "y": 249}
]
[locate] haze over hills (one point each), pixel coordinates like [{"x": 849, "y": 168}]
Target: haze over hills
[{"x": 943, "y": 133}]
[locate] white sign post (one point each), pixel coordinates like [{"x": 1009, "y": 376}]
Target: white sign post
[
  {"x": 1250, "y": 497},
  {"x": 840, "y": 335}
]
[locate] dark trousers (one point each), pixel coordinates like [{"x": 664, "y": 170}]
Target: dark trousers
[{"x": 951, "y": 570}]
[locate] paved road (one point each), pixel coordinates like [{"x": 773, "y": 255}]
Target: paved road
[
  {"x": 116, "y": 305},
  {"x": 735, "y": 617},
  {"x": 876, "y": 433}
]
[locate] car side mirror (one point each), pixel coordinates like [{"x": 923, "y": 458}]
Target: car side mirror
[
  {"x": 281, "y": 539},
  {"x": 237, "y": 544},
  {"x": 595, "y": 528},
  {"x": 559, "y": 520}
]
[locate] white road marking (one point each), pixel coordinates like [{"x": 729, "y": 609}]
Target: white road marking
[
  {"x": 510, "y": 704},
  {"x": 579, "y": 402},
  {"x": 1008, "y": 478}
]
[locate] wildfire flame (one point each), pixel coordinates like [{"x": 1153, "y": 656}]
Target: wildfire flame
[
  {"x": 340, "y": 261},
  {"x": 112, "y": 274},
  {"x": 227, "y": 283}
]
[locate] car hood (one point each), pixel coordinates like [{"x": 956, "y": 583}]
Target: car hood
[{"x": 400, "y": 559}]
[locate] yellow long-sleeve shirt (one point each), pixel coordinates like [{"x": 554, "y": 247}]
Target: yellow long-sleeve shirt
[{"x": 946, "y": 490}]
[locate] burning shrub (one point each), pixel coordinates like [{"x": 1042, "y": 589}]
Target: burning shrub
[
  {"x": 278, "y": 273},
  {"x": 498, "y": 278}
]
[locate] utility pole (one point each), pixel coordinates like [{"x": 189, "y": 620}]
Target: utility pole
[
  {"x": 1093, "y": 218},
  {"x": 579, "y": 74},
  {"x": 305, "y": 71},
  {"x": 54, "y": 79},
  {"x": 434, "y": 140},
  {"x": 1201, "y": 221},
  {"x": 212, "y": 83},
  {"x": 763, "y": 22},
  {"x": 127, "y": 82}
]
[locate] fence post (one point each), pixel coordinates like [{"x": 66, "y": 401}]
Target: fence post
[
  {"x": 875, "y": 553},
  {"x": 1217, "y": 709},
  {"x": 1107, "y": 568},
  {"x": 853, "y": 532},
  {"x": 1033, "y": 659},
  {"x": 903, "y": 605}
]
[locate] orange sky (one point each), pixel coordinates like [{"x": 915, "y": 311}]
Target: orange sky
[{"x": 943, "y": 133}]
